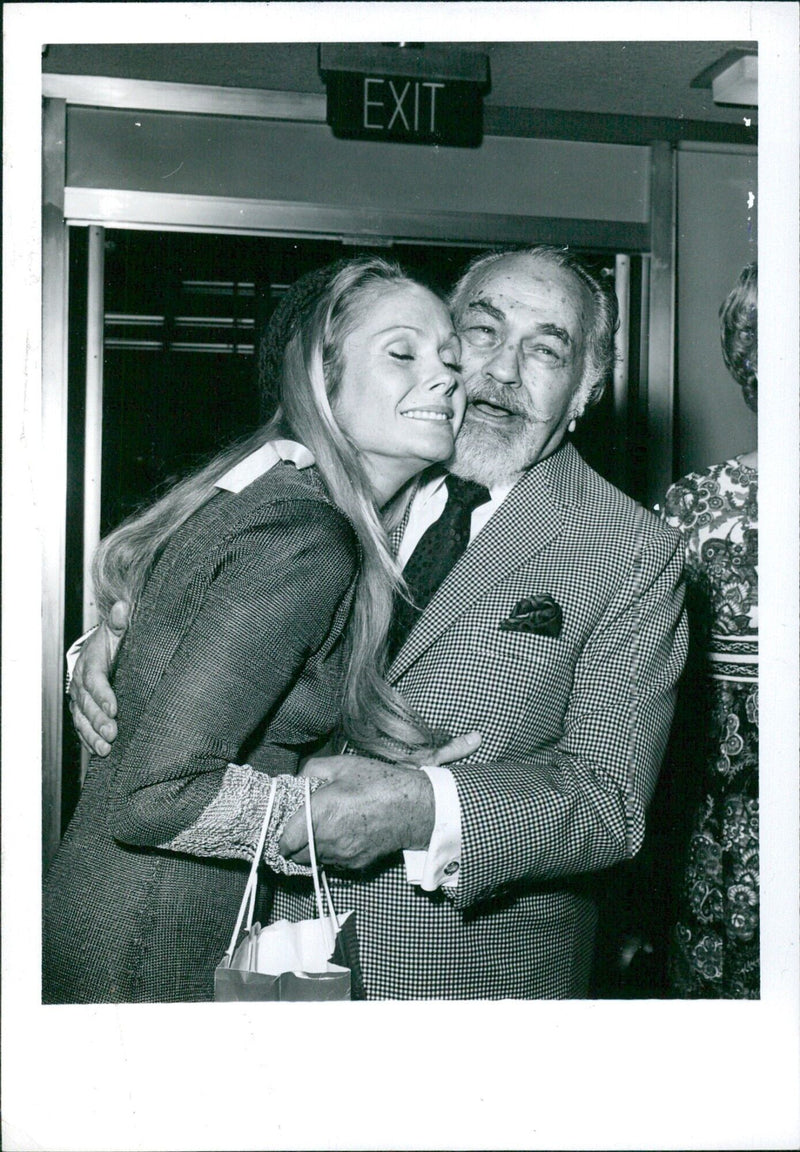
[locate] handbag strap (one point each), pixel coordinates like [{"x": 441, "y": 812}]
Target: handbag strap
[
  {"x": 252, "y": 879},
  {"x": 316, "y": 872}
]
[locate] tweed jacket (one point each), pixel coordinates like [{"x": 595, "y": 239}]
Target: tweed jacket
[
  {"x": 231, "y": 668},
  {"x": 574, "y": 729}
]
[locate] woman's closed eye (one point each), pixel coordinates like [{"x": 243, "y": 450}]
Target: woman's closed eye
[{"x": 453, "y": 365}]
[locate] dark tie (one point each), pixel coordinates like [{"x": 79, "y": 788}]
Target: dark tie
[{"x": 437, "y": 551}]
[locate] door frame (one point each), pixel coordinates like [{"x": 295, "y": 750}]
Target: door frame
[{"x": 55, "y": 307}]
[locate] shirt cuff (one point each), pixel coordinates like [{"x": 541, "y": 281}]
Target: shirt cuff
[
  {"x": 439, "y": 865},
  {"x": 72, "y": 654}
]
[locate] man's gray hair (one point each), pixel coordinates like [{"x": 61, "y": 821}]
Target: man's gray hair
[{"x": 600, "y": 355}]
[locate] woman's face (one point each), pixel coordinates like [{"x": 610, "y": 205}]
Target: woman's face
[{"x": 400, "y": 398}]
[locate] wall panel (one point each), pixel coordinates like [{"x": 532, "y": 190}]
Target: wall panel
[{"x": 273, "y": 160}]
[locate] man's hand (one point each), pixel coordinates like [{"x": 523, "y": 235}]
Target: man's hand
[
  {"x": 367, "y": 810},
  {"x": 92, "y": 701},
  {"x": 455, "y": 749}
]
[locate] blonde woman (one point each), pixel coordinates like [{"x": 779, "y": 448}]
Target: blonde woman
[{"x": 263, "y": 590}]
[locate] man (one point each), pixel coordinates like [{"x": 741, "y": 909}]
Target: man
[{"x": 557, "y": 634}]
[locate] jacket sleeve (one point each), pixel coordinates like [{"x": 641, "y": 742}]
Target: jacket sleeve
[
  {"x": 579, "y": 805},
  {"x": 278, "y": 592}
]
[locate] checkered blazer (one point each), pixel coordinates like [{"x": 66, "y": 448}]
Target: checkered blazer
[{"x": 574, "y": 728}]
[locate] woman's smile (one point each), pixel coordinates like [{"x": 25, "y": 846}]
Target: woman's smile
[{"x": 438, "y": 414}]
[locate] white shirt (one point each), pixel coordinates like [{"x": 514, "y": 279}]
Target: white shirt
[
  {"x": 438, "y": 866},
  {"x": 260, "y": 461}
]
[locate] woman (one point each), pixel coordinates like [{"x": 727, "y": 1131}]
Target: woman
[
  {"x": 717, "y": 935},
  {"x": 262, "y": 588}
]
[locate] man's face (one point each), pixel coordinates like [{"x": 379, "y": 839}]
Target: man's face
[{"x": 523, "y": 351}]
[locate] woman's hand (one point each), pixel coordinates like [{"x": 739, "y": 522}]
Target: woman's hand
[{"x": 455, "y": 749}]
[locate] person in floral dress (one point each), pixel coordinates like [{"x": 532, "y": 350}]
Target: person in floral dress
[{"x": 715, "y": 948}]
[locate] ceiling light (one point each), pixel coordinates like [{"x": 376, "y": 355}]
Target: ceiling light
[
  {"x": 738, "y": 84},
  {"x": 733, "y": 79}
]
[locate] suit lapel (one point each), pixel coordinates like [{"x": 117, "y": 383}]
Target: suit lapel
[{"x": 530, "y": 516}]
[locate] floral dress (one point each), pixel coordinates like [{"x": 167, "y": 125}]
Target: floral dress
[{"x": 716, "y": 944}]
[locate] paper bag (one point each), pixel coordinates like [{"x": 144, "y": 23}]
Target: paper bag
[
  {"x": 288, "y": 961},
  {"x": 309, "y": 960}
]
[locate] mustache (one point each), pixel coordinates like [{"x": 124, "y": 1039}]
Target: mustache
[{"x": 515, "y": 402}]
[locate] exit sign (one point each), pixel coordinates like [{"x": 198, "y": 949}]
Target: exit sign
[{"x": 409, "y": 97}]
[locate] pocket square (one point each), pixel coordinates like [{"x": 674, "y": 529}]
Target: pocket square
[{"x": 539, "y": 615}]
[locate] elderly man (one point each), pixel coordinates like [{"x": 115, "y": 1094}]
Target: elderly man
[{"x": 552, "y": 623}]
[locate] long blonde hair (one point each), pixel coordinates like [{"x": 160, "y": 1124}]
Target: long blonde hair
[{"x": 374, "y": 716}]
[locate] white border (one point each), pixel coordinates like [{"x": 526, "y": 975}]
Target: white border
[{"x": 438, "y": 1075}]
